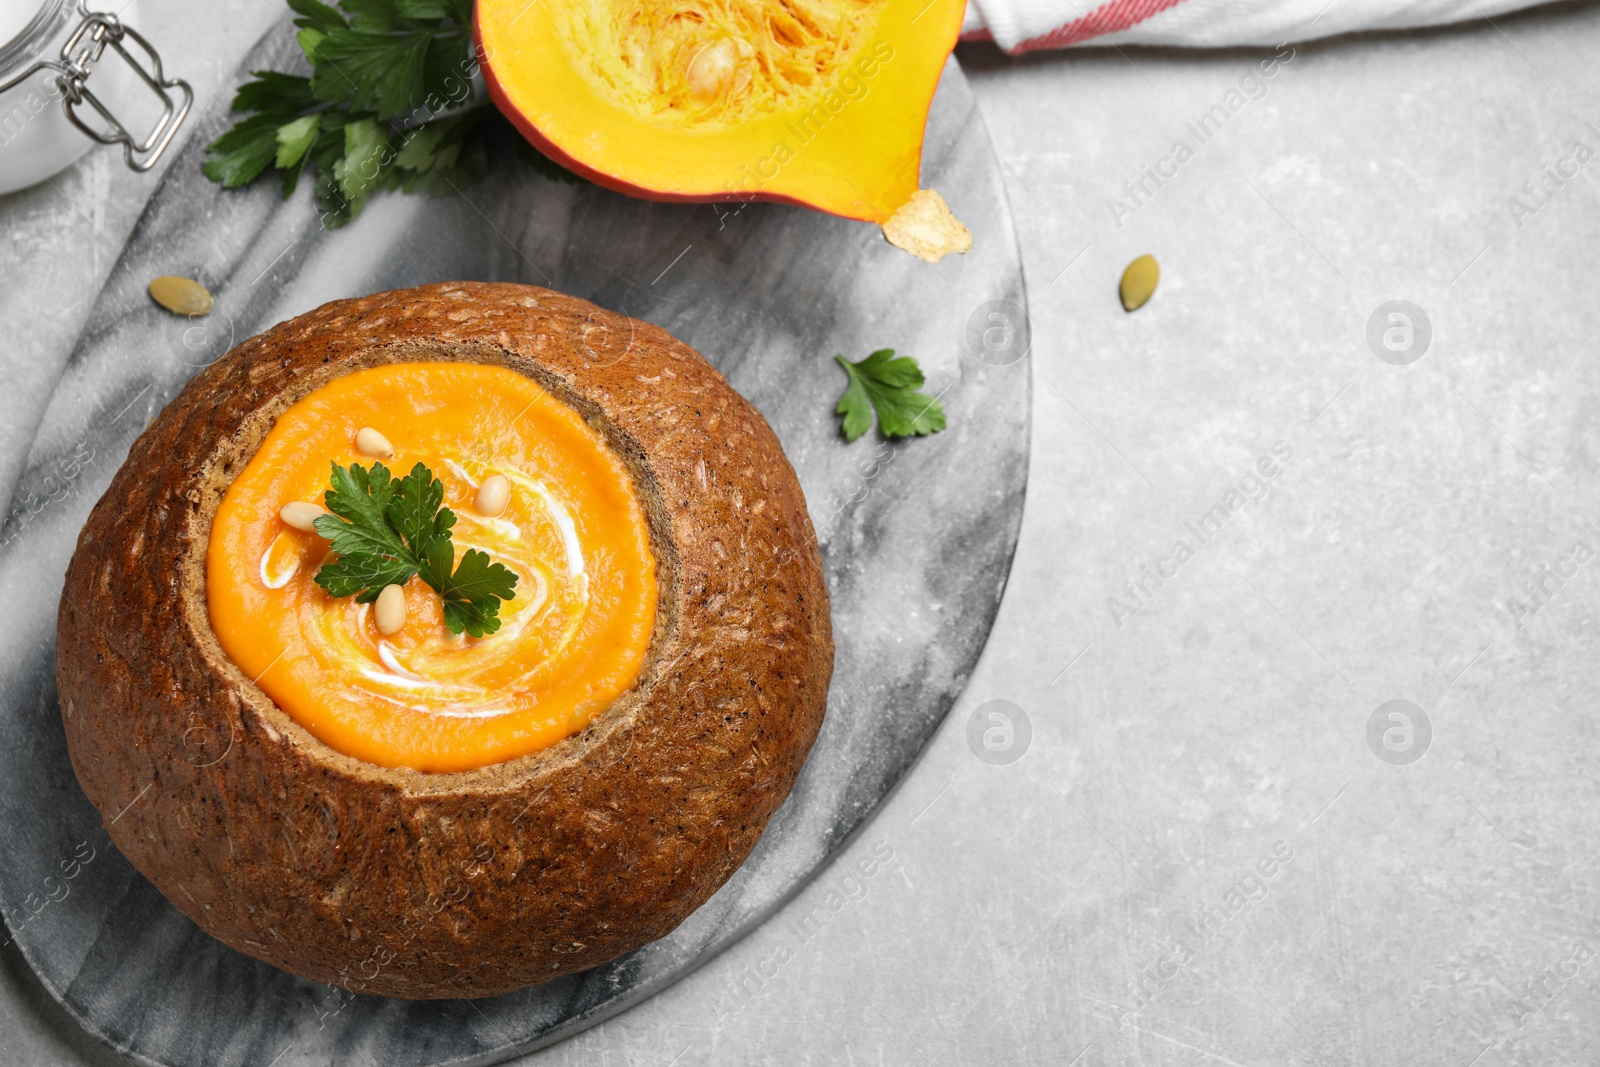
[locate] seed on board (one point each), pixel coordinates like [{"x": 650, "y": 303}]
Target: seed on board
[
  {"x": 390, "y": 610},
  {"x": 1139, "y": 282},
  {"x": 181, "y": 296},
  {"x": 493, "y": 495},
  {"x": 370, "y": 442},
  {"x": 302, "y": 515}
]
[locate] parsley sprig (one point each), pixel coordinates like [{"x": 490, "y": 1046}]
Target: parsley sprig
[
  {"x": 887, "y": 385},
  {"x": 388, "y": 105},
  {"x": 385, "y": 530}
]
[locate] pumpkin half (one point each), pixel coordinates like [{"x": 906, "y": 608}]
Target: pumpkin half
[{"x": 820, "y": 103}]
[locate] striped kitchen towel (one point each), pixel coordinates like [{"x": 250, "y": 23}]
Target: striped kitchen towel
[{"x": 1029, "y": 25}]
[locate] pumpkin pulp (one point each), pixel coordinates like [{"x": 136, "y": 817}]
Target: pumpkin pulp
[
  {"x": 814, "y": 102},
  {"x": 572, "y": 639}
]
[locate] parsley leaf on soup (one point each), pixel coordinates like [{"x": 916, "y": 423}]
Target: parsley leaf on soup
[{"x": 386, "y": 530}]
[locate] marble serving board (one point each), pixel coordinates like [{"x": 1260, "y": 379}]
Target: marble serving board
[{"x": 917, "y": 538}]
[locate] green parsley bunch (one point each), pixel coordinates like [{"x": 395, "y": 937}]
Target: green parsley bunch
[{"x": 389, "y": 104}]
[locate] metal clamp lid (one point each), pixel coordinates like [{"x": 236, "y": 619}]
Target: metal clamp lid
[{"x": 83, "y": 49}]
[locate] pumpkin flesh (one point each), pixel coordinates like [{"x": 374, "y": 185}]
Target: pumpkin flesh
[{"x": 821, "y": 103}]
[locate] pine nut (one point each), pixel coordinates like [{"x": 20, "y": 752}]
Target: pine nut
[
  {"x": 302, "y": 515},
  {"x": 390, "y": 610},
  {"x": 493, "y": 495},
  {"x": 370, "y": 442}
]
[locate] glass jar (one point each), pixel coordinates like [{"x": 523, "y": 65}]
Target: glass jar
[{"x": 49, "y": 113}]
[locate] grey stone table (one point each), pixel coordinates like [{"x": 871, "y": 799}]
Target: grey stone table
[{"x": 1218, "y": 845}]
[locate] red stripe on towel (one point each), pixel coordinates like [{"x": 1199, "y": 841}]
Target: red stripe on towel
[{"x": 1113, "y": 17}]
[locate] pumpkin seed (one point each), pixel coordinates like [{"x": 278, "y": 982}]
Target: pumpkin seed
[
  {"x": 181, "y": 296},
  {"x": 1139, "y": 282}
]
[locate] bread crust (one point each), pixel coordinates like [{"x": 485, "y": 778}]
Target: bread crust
[{"x": 472, "y": 884}]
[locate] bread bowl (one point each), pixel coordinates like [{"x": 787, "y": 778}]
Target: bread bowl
[{"x": 423, "y": 883}]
